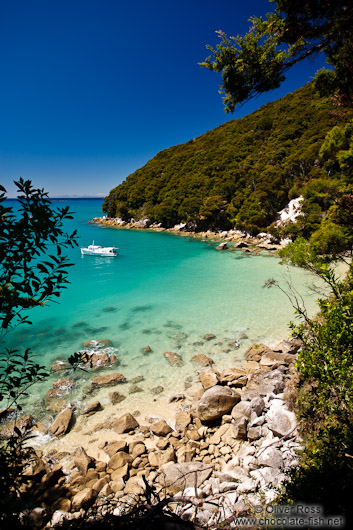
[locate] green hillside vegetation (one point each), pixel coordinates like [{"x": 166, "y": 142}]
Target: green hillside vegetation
[{"x": 243, "y": 172}]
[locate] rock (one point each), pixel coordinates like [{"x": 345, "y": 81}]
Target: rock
[
  {"x": 209, "y": 378},
  {"x": 146, "y": 350},
  {"x": 241, "y": 409},
  {"x": 125, "y": 423},
  {"x": 161, "y": 428},
  {"x": 114, "y": 447},
  {"x": 137, "y": 379},
  {"x": 276, "y": 359},
  {"x": 290, "y": 346},
  {"x": 108, "y": 380},
  {"x": 222, "y": 246},
  {"x": 97, "y": 344},
  {"x": 23, "y": 424},
  {"x": 215, "y": 402},
  {"x": 266, "y": 382},
  {"x": 177, "y": 397},
  {"x": 138, "y": 450},
  {"x": 116, "y": 397},
  {"x": 202, "y": 360},
  {"x": 97, "y": 359},
  {"x": 62, "y": 423},
  {"x": 135, "y": 486},
  {"x": 83, "y": 499},
  {"x": 92, "y": 408},
  {"x": 119, "y": 460},
  {"x": 257, "y": 404},
  {"x": 234, "y": 377},
  {"x": 254, "y": 433},
  {"x": 178, "y": 477},
  {"x": 280, "y": 420},
  {"x": 209, "y": 336},
  {"x": 256, "y": 351},
  {"x": 240, "y": 427},
  {"x": 271, "y": 457},
  {"x": 251, "y": 366},
  {"x": 173, "y": 358},
  {"x": 182, "y": 420},
  {"x": 82, "y": 460}
]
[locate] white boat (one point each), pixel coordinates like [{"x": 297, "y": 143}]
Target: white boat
[{"x": 96, "y": 250}]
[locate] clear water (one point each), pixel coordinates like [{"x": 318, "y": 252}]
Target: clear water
[{"x": 163, "y": 291}]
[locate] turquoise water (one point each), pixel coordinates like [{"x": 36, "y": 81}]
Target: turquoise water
[{"x": 163, "y": 291}]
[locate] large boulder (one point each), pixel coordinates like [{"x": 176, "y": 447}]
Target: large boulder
[
  {"x": 83, "y": 499},
  {"x": 108, "y": 380},
  {"x": 256, "y": 351},
  {"x": 280, "y": 420},
  {"x": 125, "y": 423},
  {"x": 178, "y": 477},
  {"x": 209, "y": 378},
  {"x": 161, "y": 428},
  {"x": 215, "y": 402},
  {"x": 62, "y": 423}
]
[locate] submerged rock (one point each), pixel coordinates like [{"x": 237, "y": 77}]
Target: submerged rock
[{"x": 173, "y": 358}]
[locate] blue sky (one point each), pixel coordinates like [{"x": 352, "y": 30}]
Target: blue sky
[{"x": 92, "y": 89}]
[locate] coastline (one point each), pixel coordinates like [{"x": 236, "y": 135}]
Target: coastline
[
  {"x": 232, "y": 430},
  {"x": 235, "y": 238}
]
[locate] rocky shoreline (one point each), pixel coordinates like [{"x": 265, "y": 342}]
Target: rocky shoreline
[
  {"x": 228, "y": 447},
  {"x": 229, "y": 239}
]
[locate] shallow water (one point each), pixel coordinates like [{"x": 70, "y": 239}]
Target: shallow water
[{"x": 163, "y": 291}]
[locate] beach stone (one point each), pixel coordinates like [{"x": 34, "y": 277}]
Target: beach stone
[
  {"x": 138, "y": 450},
  {"x": 241, "y": 409},
  {"x": 182, "y": 420},
  {"x": 125, "y": 423},
  {"x": 161, "y": 428},
  {"x": 97, "y": 344},
  {"x": 215, "y": 402},
  {"x": 173, "y": 358},
  {"x": 119, "y": 460},
  {"x": 257, "y": 404},
  {"x": 55, "y": 404},
  {"x": 134, "y": 389},
  {"x": 280, "y": 420},
  {"x": 92, "y": 408},
  {"x": 254, "y": 433},
  {"x": 178, "y": 477},
  {"x": 62, "y": 423},
  {"x": 276, "y": 359},
  {"x": 120, "y": 474},
  {"x": 135, "y": 486},
  {"x": 271, "y": 457},
  {"x": 234, "y": 376},
  {"x": 251, "y": 366},
  {"x": 290, "y": 346},
  {"x": 209, "y": 378},
  {"x": 114, "y": 447},
  {"x": 146, "y": 350},
  {"x": 240, "y": 427},
  {"x": 83, "y": 499},
  {"x": 82, "y": 460},
  {"x": 209, "y": 336},
  {"x": 108, "y": 380},
  {"x": 256, "y": 351},
  {"x": 202, "y": 360},
  {"x": 116, "y": 397}
]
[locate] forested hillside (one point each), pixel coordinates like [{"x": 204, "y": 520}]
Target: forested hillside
[{"x": 243, "y": 172}]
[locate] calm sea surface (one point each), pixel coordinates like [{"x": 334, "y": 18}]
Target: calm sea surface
[{"x": 163, "y": 291}]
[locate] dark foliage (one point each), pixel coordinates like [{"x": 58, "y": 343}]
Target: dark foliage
[{"x": 241, "y": 173}]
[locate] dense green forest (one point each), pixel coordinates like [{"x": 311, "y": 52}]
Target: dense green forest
[{"x": 243, "y": 172}]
